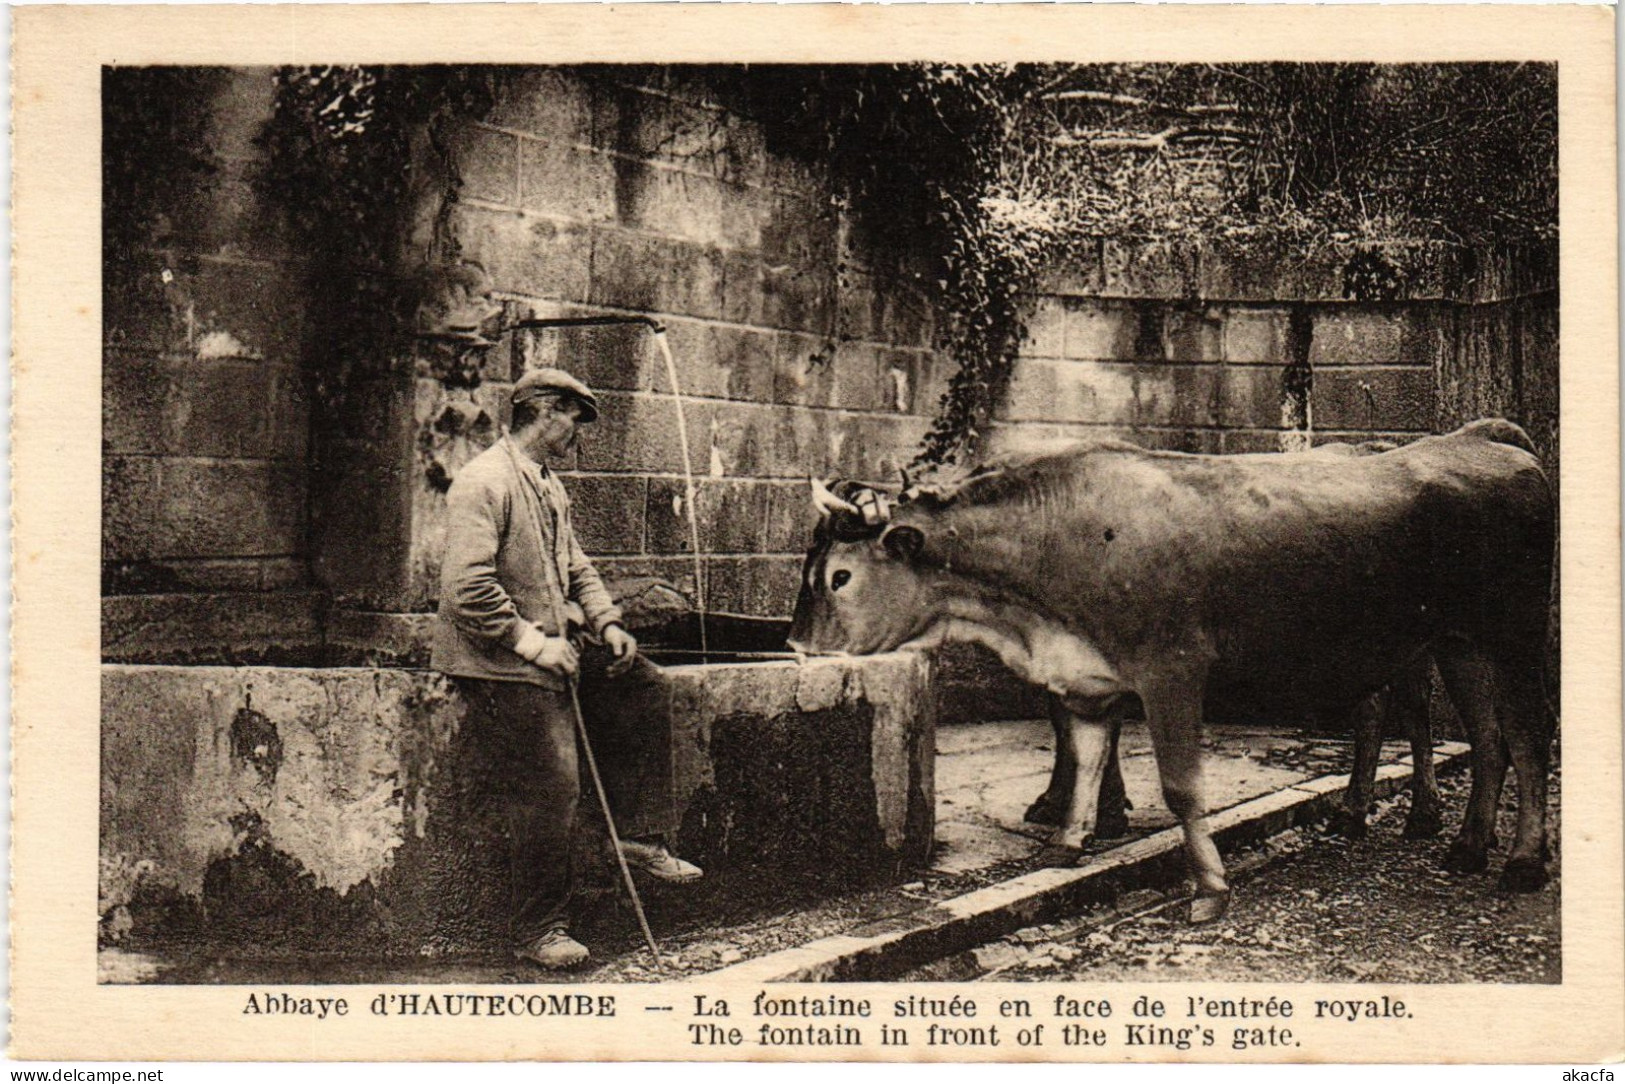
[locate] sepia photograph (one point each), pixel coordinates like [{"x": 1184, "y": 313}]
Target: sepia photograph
[
  {"x": 1090, "y": 528},
  {"x": 551, "y": 512}
]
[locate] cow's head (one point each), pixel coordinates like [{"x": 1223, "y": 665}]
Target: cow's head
[{"x": 863, "y": 589}]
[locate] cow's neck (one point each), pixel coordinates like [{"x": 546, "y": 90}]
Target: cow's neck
[{"x": 1037, "y": 647}]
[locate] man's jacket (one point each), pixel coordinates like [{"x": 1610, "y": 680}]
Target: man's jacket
[{"x": 512, "y": 570}]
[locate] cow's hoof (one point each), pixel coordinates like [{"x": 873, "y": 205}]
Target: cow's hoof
[
  {"x": 1424, "y": 826},
  {"x": 1112, "y": 827},
  {"x": 1463, "y": 859},
  {"x": 1206, "y": 908},
  {"x": 1523, "y": 875},
  {"x": 1043, "y": 811},
  {"x": 1351, "y": 826},
  {"x": 1060, "y": 856}
]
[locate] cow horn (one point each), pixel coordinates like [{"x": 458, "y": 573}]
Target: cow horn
[{"x": 827, "y": 502}]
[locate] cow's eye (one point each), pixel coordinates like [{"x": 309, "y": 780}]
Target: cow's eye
[{"x": 840, "y": 579}]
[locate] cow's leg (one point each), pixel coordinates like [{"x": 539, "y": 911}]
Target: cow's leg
[
  {"x": 1409, "y": 697},
  {"x": 1469, "y": 677},
  {"x": 1368, "y": 720},
  {"x": 1111, "y": 816},
  {"x": 1050, "y": 808},
  {"x": 1174, "y": 714},
  {"x": 1528, "y": 738},
  {"x": 1093, "y": 742}
]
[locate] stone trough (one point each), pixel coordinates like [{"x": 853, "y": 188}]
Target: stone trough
[{"x": 271, "y": 809}]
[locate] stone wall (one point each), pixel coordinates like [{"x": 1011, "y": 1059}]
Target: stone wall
[
  {"x": 800, "y": 351},
  {"x": 303, "y": 811},
  {"x": 205, "y": 424},
  {"x": 617, "y": 192},
  {"x": 1209, "y": 351}
]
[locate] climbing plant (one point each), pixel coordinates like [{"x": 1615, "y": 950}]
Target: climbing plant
[
  {"x": 993, "y": 171},
  {"x": 358, "y": 162}
]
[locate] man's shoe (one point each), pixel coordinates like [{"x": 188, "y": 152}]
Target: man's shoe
[
  {"x": 659, "y": 863},
  {"x": 554, "y": 951}
]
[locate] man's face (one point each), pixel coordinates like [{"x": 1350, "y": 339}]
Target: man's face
[{"x": 559, "y": 418}]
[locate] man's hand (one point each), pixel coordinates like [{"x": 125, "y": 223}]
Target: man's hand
[
  {"x": 623, "y": 646},
  {"x": 558, "y": 655}
]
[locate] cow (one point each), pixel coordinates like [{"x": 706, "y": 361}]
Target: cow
[
  {"x": 1405, "y": 699},
  {"x": 1271, "y": 584}
]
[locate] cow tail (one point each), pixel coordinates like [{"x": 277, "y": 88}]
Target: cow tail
[{"x": 1500, "y": 431}]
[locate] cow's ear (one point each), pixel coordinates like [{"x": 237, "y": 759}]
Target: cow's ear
[{"x": 903, "y": 542}]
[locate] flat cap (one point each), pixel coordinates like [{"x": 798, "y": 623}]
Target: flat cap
[{"x": 556, "y": 382}]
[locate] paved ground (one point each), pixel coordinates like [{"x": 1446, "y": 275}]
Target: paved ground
[
  {"x": 1309, "y": 908},
  {"x": 987, "y": 774}
]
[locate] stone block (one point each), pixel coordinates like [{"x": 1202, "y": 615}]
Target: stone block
[
  {"x": 607, "y": 511},
  {"x": 767, "y": 442},
  {"x": 136, "y": 397},
  {"x": 1045, "y": 324},
  {"x": 876, "y": 447},
  {"x": 1099, "y": 331},
  {"x": 632, "y": 122},
  {"x": 744, "y": 215},
  {"x": 536, "y": 257},
  {"x": 289, "y": 406},
  {"x": 487, "y": 163},
  {"x": 559, "y": 178},
  {"x": 926, "y": 379},
  {"x": 789, "y": 519},
  {"x": 754, "y": 586},
  {"x": 550, "y": 103},
  {"x": 674, "y": 570},
  {"x": 212, "y": 629},
  {"x": 203, "y": 307},
  {"x": 618, "y": 357},
  {"x": 1262, "y": 273},
  {"x": 1351, "y": 336},
  {"x": 157, "y": 508},
  {"x": 718, "y": 362},
  {"x": 856, "y": 378},
  {"x": 1070, "y": 391},
  {"x": 731, "y": 515},
  {"x": 638, "y": 432},
  {"x": 798, "y": 297},
  {"x": 1247, "y": 441},
  {"x": 803, "y": 369},
  {"x": 368, "y": 638},
  {"x": 1255, "y": 336},
  {"x": 647, "y": 274},
  {"x": 1193, "y": 335},
  {"x": 1177, "y": 395},
  {"x": 799, "y": 232},
  {"x": 742, "y": 288},
  {"x": 1196, "y": 441},
  {"x": 909, "y": 319},
  {"x": 670, "y": 202},
  {"x": 1378, "y": 400},
  {"x": 862, "y": 310},
  {"x": 1250, "y": 398}
]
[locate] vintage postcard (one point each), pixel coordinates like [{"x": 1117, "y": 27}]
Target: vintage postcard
[{"x": 755, "y": 533}]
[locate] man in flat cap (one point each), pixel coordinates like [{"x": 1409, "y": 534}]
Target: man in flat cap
[{"x": 516, "y": 595}]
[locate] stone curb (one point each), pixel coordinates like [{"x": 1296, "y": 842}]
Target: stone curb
[{"x": 896, "y": 944}]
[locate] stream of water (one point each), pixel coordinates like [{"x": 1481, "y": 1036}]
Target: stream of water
[{"x": 688, "y": 490}]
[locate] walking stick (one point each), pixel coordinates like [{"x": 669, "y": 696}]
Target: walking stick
[{"x": 609, "y": 822}]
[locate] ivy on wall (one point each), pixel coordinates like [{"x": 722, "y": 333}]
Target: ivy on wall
[
  {"x": 359, "y": 162},
  {"x": 994, "y": 171}
]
